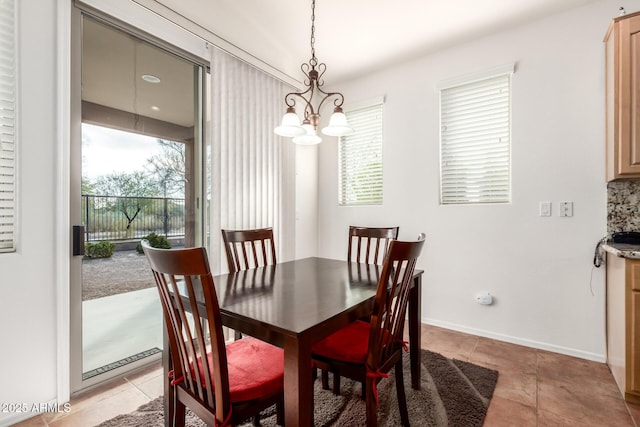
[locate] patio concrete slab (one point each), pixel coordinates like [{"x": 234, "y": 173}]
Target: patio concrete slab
[{"x": 120, "y": 326}]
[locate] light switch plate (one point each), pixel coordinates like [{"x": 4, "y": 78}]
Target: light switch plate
[{"x": 545, "y": 208}]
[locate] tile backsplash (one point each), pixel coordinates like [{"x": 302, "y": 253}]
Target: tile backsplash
[{"x": 623, "y": 206}]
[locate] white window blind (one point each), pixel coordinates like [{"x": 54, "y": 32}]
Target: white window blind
[
  {"x": 252, "y": 169},
  {"x": 7, "y": 125},
  {"x": 475, "y": 139},
  {"x": 360, "y": 157}
]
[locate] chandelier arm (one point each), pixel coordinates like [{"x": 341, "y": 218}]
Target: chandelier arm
[
  {"x": 306, "y": 70},
  {"x": 322, "y": 67},
  {"x": 319, "y": 83},
  {"x": 337, "y": 101},
  {"x": 290, "y": 100}
]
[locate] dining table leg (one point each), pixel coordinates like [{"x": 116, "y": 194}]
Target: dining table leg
[
  {"x": 415, "y": 335},
  {"x": 298, "y": 385}
]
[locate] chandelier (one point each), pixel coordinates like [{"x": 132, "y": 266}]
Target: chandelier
[{"x": 306, "y": 132}]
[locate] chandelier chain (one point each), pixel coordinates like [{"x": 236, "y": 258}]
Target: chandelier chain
[{"x": 313, "y": 60}]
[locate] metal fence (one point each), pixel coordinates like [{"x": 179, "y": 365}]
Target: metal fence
[{"x": 129, "y": 218}]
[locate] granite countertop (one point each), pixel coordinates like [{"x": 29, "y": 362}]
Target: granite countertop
[{"x": 623, "y": 250}]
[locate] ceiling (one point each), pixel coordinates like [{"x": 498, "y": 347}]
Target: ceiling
[
  {"x": 113, "y": 64},
  {"x": 353, "y": 37},
  {"x": 356, "y": 36}
]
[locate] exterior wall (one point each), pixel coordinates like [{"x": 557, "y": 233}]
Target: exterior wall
[{"x": 539, "y": 269}]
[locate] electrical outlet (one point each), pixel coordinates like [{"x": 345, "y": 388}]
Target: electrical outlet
[
  {"x": 566, "y": 209},
  {"x": 484, "y": 298}
]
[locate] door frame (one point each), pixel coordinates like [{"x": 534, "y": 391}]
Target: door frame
[{"x": 72, "y": 216}]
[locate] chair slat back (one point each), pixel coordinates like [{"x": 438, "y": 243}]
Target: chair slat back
[
  {"x": 369, "y": 245},
  {"x": 247, "y": 249},
  {"x": 390, "y": 306},
  {"x": 183, "y": 278}
]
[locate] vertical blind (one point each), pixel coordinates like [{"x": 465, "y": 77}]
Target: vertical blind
[
  {"x": 252, "y": 169},
  {"x": 360, "y": 158},
  {"x": 475, "y": 142},
  {"x": 7, "y": 125}
]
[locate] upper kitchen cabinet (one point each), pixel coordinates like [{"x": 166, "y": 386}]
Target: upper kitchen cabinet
[{"x": 622, "y": 46}]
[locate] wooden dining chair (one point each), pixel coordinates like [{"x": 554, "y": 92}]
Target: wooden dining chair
[
  {"x": 369, "y": 245},
  {"x": 367, "y": 351},
  {"x": 247, "y": 375},
  {"x": 247, "y": 249}
]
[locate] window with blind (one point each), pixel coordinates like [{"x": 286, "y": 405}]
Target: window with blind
[
  {"x": 360, "y": 157},
  {"x": 7, "y": 125},
  {"x": 475, "y": 139}
]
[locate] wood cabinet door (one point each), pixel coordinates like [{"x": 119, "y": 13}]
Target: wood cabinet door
[
  {"x": 633, "y": 347},
  {"x": 632, "y": 289},
  {"x": 628, "y": 97}
]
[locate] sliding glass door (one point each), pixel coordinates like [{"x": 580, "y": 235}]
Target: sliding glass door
[{"x": 136, "y": 173}]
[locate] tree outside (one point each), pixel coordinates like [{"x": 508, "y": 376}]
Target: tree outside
[
  {"x": 168, "y": 168},
  {"x": 149, "y": 189}
]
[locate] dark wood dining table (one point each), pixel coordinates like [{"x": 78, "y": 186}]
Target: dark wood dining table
[{"x": 297, "y": 303}]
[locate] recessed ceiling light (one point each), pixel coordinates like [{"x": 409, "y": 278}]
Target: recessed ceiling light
[
  {"x": 155, "y": 108},
  {"x": 150, "y": 78}
]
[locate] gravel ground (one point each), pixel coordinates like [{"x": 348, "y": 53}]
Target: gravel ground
[{"x": 125, "y": 271}]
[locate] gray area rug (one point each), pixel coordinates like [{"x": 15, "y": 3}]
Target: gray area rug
[{"x": 453, "y": 393}]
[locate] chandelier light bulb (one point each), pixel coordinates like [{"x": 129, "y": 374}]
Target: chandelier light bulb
[
  {"x": 290, "y": 126},
  {"x": 310, "y": 137},
  {"x": 338, "y": 125}
]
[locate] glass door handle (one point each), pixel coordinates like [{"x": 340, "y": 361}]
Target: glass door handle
[{"x": 78, "y": 240}]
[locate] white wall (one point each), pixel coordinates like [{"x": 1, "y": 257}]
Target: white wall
[
  {"x": 27, "y": 277},
  {"x": 538, "y": 269},
  {"x": 306, "y": 200}
]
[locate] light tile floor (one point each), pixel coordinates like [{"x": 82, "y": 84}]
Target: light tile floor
[{"x": 535, "y": 388}]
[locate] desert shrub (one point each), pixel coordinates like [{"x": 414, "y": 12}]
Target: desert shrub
[
  {"x": 155, "y": 241},
  {"x": 102, "y": 249}
]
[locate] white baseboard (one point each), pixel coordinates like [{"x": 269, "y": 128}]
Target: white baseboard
[{"x": 520, "y": 341}]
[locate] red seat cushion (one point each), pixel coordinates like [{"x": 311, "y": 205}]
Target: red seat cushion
[
  {"x": 256, "y": 369},
  {"x": 349, "y": 344}
]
